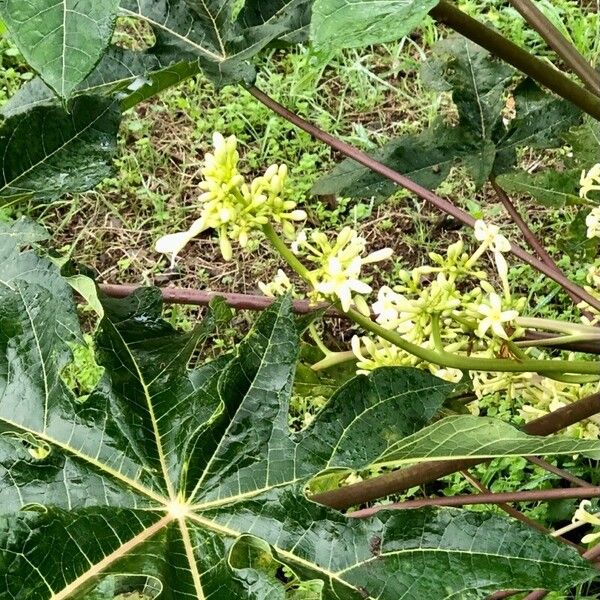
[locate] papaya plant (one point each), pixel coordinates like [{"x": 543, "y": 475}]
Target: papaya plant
[
  {"x": 173, "y": 478},
  {"x": 172, "y": 481}
]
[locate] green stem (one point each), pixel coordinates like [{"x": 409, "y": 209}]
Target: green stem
[
  {"x": 436, "y": 334},
  {"x": 314, "y": 334},
  {"x": 561, "y": 340},
  {"x": 472, "y": 363},
  {"x": 443, "y": 359},
  {"x": 563, "y": 378},
  {"x": 334, "y": 359},
  {"x": 559, "y": 326},
  {"x": 285, "y": 253}
]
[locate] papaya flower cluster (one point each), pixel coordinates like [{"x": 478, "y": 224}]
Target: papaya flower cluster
[
  {"x": 233, "y": 206},
  {"x": 279, "y": 286},
  {"x": 542, "y": 396},
  {"x": 337, "y": 273},
  {"x": 531, "y": 396},
  {"x": 448, "y": 306}
]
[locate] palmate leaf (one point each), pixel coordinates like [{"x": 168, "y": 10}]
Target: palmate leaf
[
  {"x": 73, "y": 147},
  {"x": 49, "y": 151},
  {"x": 208, "y": 31},
  {"x": 61, "y": 39},
  {"x": 117, "y": 70},
  {"x": 187, "y": 483},
  {"x": 180, "y": 34},
  {"x": 480, "y": 142},
  {"x": 354, "y": 23}
]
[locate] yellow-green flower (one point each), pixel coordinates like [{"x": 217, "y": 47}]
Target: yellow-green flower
[
  {"x": 592, "y": 222},
  {"x": 233, "y": 207},
  {"x": 583, "y": 516},
  {"x": 280, "y": 285},
  {"x": 372, "y": 355},
  {"x": 338, "y": 272},
  {"x": 493, "y": 317},
  {"x": 590, "y": 181}
]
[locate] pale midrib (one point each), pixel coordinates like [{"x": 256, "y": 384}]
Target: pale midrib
[
  {"x": 216, "y": 29},
  {"x": 239, "y": 497},
  {"x": 157, "y": 436},
  {"x": 106, "y": 562},
  {"x": 202, "y": 49},
  {"x": 42, "y": 363},
  {"x": 64, "y": 52},
  {"x": 232, "y": 533},
  {"x": 88, "y": 459},
  {"x": 189, "y": 552},
  {"x": 545, "y": 447},
  {"x": 451, "y": 551},
  {"x": 476, "y": 90}
]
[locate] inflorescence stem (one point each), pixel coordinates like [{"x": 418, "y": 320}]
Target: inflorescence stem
[{"x": 439, "y": 356}]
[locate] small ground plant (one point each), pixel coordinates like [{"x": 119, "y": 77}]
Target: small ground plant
[{"x": 260, "y": 469}]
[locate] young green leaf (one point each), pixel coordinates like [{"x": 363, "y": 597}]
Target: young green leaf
[
  {"x": 354, "y": 23},
  {"x": 47, "y": 151},
  {"x": 549, "y": 187},
  {"x": 480, "y": 437},
  {"x": 62, "y": 40},
  {"x": 188, "y": 481}
]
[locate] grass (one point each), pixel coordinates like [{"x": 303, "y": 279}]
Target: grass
[{"x": 366, "y": 98}]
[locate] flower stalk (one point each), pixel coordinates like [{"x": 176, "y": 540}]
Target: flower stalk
[{"x": 438, "y": 356}]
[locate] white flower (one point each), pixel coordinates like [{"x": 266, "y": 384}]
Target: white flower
[
  {"x": 339, "y": 267},
  {"x": 494, "y": 317},
  {"x": 173, "y": 243},
  {"x": 393, "y": 310},
  {"x": 583, "y": 516},
  {"x": 338, "y": 280},
  {"x": 590, "y": 181},
  {"x": 491, "y": 236},
  {"x": 280, "y": 285},
  {"x": 593, "y": 223},
  {"x": 447, "y": 374},
  {"x": 299, "y": 242}
]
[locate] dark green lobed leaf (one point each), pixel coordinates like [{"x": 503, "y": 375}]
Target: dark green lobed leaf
[
  {"x": 118, "y": 69},
  {"x": 47, "y": 151},
  {"x": 189, "y": 480},
  {"x": 207, "y": 31},
  {"x": 480, "y": 141}
]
